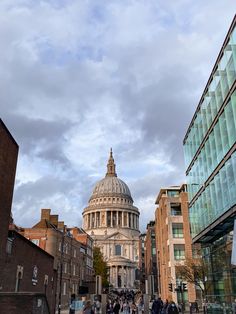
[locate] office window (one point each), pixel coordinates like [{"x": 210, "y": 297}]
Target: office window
[
  {"x": 172, "y": 193},
  {"x": 177, "y": 230},
  {"x": 65, "y": 267},
  {"x": 179, "y": 251},
  {"x": 64, "y": 288},
  {"x": 176, "y": 210}
]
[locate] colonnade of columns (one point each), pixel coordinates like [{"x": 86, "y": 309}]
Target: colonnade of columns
[
  {"x": 112, "y": 219},
  {"x": 122, "y": 276}
]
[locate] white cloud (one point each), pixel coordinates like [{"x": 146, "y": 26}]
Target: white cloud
[{"x": 78, "y": 77}]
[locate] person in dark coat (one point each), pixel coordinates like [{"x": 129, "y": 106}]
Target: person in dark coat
[
  {"x": 109, "y": 308},
  {"x": 116, "y": 308},
  {"x": 172, "y": 308},
  {"x": 157, "y": 306},
  {"x": 165, "y": 307}
]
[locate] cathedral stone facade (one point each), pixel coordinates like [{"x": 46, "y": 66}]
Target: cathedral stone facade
[{"x": 113, "y": 222}]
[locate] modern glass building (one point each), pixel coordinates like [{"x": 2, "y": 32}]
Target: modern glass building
[{"x": 210, "y": 157}]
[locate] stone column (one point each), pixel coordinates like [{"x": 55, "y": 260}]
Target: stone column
[
  {"x": 122, "y": 219},
  {"x": 128, "y": 277},
  {"x": 132, "y": 277},
  {"x": 116, "y": 279},
  {"x": 125, "y": 277},
  {"x": 111, "y": 218},
  {"x": 117, "y": 218},
  {"x": 131, "y": 221},
  {"x": 122, "y": 277},
  {"x": 105, "y": 218},
  {"x": 95, "y": 219},
  {"x": 110, "y": 271},
  {"x": 114, "y": 276},
  {"x": 89, "y": 221}
]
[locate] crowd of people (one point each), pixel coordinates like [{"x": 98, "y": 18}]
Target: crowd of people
[
  {"x": 125, "y": 302},
  {"x": 160, "y": 307},
  {"x": 133, "y": 303}
]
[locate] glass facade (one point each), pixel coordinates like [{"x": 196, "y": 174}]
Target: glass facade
[
  {"x": 221, "y": 275},
  {"x": 217, "y": 145},
  {"x": 210, "y": 137},
  {"x": 222, "y": 80},
  {"x": 210, "y": 157},
  {"x": 216, "y": 199}
]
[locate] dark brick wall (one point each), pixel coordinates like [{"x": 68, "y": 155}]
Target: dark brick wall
[
  {"x": 8, "y": 161},
  {"x": 26, "y": 254},
  {"x": 23, "y": 303}
]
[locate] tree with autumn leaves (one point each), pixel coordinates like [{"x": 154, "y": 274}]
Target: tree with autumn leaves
[
  {"x": 100, "y": 266},
  {"x": 194, "y": 270}
]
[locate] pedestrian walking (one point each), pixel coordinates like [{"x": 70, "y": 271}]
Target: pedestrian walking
[
  {"x": 125, "y": 307},
  {"x": 109, "y": 308},
  {"x": 157, "y": 306},
  {"x": 196, "y": 306},
  {"x": 88, "y": 308},
  {"x": 165, "y": 306},
  {"x": 172, "y": 308},
  {"x": 133, "y": 308},
  {"x": 116, "y": 308},
  {"x": 141, "y": 306}
]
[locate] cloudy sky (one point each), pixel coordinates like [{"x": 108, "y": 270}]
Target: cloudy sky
[{"x": 80, "y": 76}]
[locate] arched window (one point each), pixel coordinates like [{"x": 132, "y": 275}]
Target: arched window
[{"x": 118, "y": 250}]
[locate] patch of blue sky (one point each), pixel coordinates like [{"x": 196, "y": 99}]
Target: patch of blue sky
[
  {"x": 52, "y": 55},
  {"x": 97, "y": 14},
  {"x": 31, "y": 4},
  {"x": 57, "y": 4},
  {"x": 89, "y": 53}
]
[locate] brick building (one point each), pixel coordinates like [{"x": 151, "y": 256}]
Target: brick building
[
  {"x": 27, "y": 268},
  {"x": 150, "y": 258},
  {"x": 80, "y": 235},
  {"x": 69, "y": 254},
  {"x": 142, "y": 249},
  {"x": 173, "y": 240},
  {"x": 8, "y": 160}
]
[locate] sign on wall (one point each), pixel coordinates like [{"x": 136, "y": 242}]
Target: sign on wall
[{"x": 35, "y": 275}]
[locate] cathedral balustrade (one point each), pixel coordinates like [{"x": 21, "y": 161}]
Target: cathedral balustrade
[{"x": 111, "y": 218}]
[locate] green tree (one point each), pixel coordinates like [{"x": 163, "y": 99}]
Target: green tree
[{"x": 100, "y": 266}]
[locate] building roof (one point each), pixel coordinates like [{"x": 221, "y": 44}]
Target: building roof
[
  {"x": 8, "y": 132},
  {"x": 14, "y": 233},
  {"x": 170, "y": 188}
]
